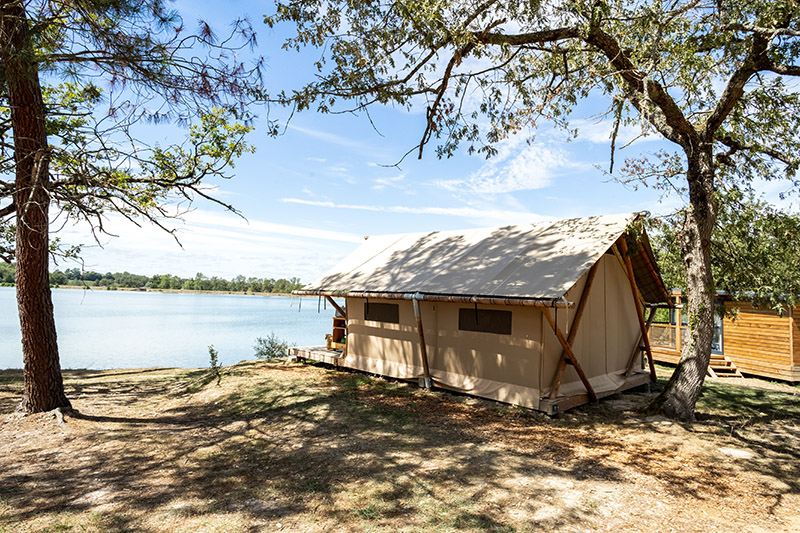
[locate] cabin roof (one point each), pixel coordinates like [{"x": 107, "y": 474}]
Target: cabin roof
[{"x": 540, "y": 260}]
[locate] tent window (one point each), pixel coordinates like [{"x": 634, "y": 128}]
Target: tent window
[
  {"x": 382, "y": 312},
  {"x": 484, "y": 320}
]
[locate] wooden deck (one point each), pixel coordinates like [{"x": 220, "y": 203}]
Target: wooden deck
[
  {"x": 552, "y": 406},
  {"x": 318, "y": 353}
]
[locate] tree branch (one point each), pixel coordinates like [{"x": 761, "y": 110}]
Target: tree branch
[
  {"x": 756, "y": 60},
  {"x": 738, "y": 146},
  {"x": 430, "y": 122},
  {"x": 786, "y": 70},
  {"x": 647, "y": 95},
  {"x": 772, "y": 32},
  {"x": 537, "y": 37},
  {"x": 7, "y": 210}
]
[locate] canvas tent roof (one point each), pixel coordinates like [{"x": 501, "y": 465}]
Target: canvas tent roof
[{"x": 535, "y": 261}]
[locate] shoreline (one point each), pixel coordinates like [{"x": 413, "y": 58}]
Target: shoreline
[{"x": 172, "y": 291}]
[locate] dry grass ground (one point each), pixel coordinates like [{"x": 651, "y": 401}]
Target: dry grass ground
[{"x": 303, "y": 448}]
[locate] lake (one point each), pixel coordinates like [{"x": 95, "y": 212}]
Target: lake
[{"x": 100, "y": 329}]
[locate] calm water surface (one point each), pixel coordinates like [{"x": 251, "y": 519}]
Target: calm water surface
[{"x": 120, "y": 329}]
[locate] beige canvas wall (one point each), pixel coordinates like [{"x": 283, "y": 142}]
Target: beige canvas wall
[
  {"x": 623, "y": 330},
  {"x": 606, "y": 335},
  {"x": 516, "y": 368},
  {"x": 388, "y": 349},
  {"x": 503, "y": 367}
]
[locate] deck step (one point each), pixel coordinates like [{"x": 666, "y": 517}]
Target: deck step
[{"x": 721, "y": 366}]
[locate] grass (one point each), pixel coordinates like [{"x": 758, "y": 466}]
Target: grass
[
  {"x": 299, "y": 447},
  {"x": 727, "y": 402}
]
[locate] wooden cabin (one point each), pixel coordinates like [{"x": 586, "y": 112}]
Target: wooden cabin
[
  {"x": 546, "y": 315},
  {"x": 753, "y": 341}
]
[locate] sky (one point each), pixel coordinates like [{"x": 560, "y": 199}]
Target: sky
[{"x": 310, "y": 196}]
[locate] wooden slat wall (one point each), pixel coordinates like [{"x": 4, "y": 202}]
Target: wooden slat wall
[{"x": 759, "y": 342}]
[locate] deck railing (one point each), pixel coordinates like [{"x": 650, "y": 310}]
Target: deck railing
[{"x": 663, "y": 335}]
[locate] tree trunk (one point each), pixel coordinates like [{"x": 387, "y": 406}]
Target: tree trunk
[
  {"x": 44, "y": 388},
  {"x": 679, "y": 397}
]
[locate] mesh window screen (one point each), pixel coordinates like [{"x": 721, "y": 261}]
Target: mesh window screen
[
  {"x": 485, "y": 320},
  {"x": 380, "y": 312}
]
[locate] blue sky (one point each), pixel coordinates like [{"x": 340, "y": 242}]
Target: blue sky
[{"x": 312, "y": 194}]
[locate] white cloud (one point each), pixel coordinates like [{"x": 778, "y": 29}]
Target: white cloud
[
  {"x": 396, "y": 182},
  {"x": 231, "y": 222},
  {"x": 214, "y": 190},
  {"x": 340, "y": 171},
  {"x": 500, "y": 216},
  {"x": 518, "y": 166},
  {"x": 217, "y": 244},
  {"x": 599, "y": 132},
  {"x": 329, "y": 137}
]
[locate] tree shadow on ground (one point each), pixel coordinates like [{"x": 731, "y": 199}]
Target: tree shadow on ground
[
  {"x": 11, "y": 389},
  {"x": 344, "y": 448},
  {"x": 759, "y": 427},
  {"x": 766, "y": 422}
]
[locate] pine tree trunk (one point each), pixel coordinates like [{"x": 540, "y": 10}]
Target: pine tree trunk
[
  {"x": 44, "y": 388},
  {"x": 679, "y": 397}
]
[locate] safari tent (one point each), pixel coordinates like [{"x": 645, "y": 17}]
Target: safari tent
[{"x": 546, "y": 315}]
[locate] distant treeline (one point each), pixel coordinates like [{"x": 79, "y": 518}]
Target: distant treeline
[{"x": 74, "y": 276}]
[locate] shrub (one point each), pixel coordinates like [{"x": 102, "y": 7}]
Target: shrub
[
  {"x": 213, "y": 362},
  {"x": 271, "y": 347}
]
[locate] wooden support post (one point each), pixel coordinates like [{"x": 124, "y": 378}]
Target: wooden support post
[
  {"x": 336, "y": 306},
  {"x": 568, "y": 351},
  {"x": 677, "y": 327},
  {"x": 636, "y": 348},
  {"x": 573, "y": 331},
  {"x": 427, "y": 380},
  {"x": 623, "y": 248}
]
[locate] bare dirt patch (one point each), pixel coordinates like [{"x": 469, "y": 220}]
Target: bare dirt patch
[{"x": 303, "y": 448}]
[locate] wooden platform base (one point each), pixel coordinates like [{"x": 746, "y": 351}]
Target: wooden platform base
[
  {"x": 553, "y": 406},
  {"x": 547, "y": 405},
  {"x": 318, "y": 353}
]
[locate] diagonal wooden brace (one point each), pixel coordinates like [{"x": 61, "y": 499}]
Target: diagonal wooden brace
[
  {"x": 336, "y": 306},
  {"x": 636, "y": 348},
  {"x": 568, "y": 352},
  {"x": 623, "y": 249},
  {"x": 576, "y": 322}
]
